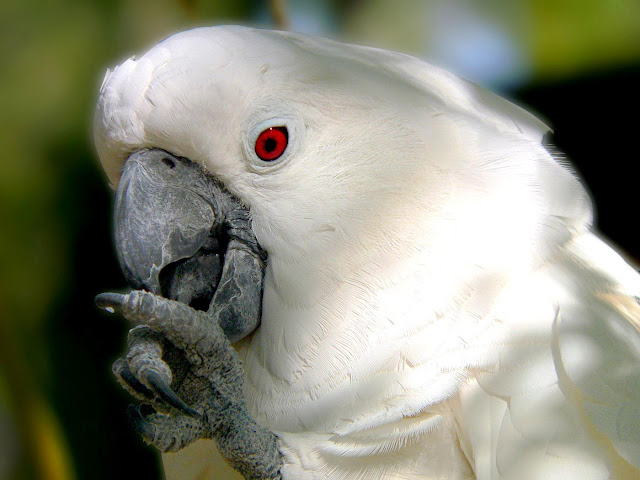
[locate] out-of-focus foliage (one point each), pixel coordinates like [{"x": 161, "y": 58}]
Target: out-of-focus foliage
[
  {"x": 568, "y": 37},
  {"x": 501, "y": 41},
  {"x": 56, "y": 391}
]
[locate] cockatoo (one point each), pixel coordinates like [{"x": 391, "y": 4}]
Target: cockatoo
[{"x": 351, "y": 264}]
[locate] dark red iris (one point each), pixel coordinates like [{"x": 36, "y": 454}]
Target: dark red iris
[{"x": 272, "y": 143}]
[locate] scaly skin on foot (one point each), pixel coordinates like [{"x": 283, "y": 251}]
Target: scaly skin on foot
[
  {"x": 184, "y": 243},
  {"x": 207, "y": 398}
]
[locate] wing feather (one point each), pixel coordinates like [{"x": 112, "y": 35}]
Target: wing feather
[{"x": 569, "y": 374}]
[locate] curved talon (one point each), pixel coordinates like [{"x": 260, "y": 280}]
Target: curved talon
[
  {"x": 144, "y": 428},
  {"x": 111, "y": 302},
  {"x": 164, "y": 393},
  {"x": 122, "y": 372}
]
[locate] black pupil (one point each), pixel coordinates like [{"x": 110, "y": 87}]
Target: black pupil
[{"x": 270, "y": 144}]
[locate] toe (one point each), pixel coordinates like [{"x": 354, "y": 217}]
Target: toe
[
  {"x": 168, "y": 433},
  {"x": 163, "y": 392}
]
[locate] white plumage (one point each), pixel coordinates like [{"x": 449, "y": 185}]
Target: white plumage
[{"x": 436, "y": 303}]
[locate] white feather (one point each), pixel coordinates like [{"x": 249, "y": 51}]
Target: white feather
[{"x": 435, "y": 305}]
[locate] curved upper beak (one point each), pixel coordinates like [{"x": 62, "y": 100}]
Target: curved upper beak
[
  {"x": 164, "y": 212},
  {"x": 180, "y": 234}
]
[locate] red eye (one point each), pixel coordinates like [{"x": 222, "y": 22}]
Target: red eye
[{"x": 272, "y": 143}]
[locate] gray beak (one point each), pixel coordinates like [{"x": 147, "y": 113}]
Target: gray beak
[{"x": 181, "y": 235}]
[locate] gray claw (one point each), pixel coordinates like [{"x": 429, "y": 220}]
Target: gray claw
[
  {"x": 146, "y": 429},
  {"x": 164, "y": 393},
  {"x": 124, "y": 375},
  {"x": 111, "y": 302}
]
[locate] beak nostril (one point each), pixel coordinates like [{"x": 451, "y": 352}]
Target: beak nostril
[{"x": 168, "y": 162}]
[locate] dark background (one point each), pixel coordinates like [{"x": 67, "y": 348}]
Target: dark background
[
  {"x": 61, "y": 413},
  {"x": 594, "y": 120}
]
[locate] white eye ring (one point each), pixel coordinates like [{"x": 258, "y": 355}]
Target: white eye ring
[{"x": 295, "y": 131}]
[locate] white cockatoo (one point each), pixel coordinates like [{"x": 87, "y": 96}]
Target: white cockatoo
[{"x": 411, "y": 280}]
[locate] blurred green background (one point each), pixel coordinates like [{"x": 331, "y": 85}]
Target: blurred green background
[{"x": 62, "y": 416}]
